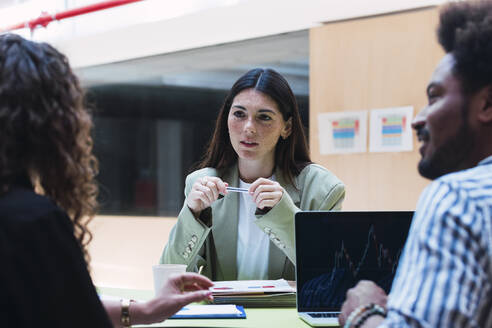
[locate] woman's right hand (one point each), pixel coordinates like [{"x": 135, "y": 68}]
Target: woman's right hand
[{"x": 204, "y": 192}]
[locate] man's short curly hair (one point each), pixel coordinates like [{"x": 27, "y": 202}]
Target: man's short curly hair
[{"x": 465, "y": 31}]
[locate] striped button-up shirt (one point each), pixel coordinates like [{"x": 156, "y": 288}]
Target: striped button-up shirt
[{"x": 444, "y": 278}]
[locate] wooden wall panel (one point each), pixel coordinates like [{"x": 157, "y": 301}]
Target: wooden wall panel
[{"x": 370, "y": 63}]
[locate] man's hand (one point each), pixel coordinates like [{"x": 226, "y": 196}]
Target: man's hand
[{"x": 365, "y": 292}]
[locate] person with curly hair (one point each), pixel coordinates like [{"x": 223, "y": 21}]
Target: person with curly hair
[
  {"x": 48, "y": 196},
  {"x": 444, "y": 277}
]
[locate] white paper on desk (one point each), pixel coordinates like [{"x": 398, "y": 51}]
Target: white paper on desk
[
  {"x": 251, "y": 287},
  {"x": 103, "y": 297},
  {"x": 209, "y": 309}
]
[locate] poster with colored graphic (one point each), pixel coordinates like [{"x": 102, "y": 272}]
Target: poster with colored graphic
[
  {"x": 342, "y": 132},
  {"x": 390, "y": 129}
]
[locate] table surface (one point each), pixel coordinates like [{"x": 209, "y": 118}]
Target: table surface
[{"x": 255, "y": 317}]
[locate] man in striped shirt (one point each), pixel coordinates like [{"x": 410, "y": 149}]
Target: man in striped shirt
[{"x": 444, "y": 278}]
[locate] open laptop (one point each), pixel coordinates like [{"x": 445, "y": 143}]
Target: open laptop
[{"x": 334, "y": 250}]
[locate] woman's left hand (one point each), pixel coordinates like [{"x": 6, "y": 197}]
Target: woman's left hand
[
  {"x": 178, "y": 291},
  {"x": 266, "y": 193}
]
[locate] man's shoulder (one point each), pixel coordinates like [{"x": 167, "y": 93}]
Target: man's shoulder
[
  {"x": 458, "y": 193},
  {"x": 469, "y": 180}
]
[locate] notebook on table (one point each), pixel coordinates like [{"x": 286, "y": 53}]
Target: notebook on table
[
  {"x": 334, "y": 250},
  {"x": 255, "y": 293}
]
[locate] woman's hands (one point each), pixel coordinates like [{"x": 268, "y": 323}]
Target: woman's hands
[
  {"x": 177, "y": 292},
  {"x": 203, "y": 193},
  {"x": 266, "y": 193}
]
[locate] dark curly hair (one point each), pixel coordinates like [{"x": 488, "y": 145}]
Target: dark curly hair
[
  {"x": 45, "y": 130},
  {"x": 465, "y": 31},
  {"x": 291, "y": 154}
]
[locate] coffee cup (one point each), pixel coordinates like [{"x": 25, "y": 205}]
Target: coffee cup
[{"x": 162, "y": 272}]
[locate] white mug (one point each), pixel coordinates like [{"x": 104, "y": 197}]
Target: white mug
[{"x": 163, "y": 271}]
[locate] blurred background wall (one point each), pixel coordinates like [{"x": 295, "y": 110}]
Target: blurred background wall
[{"x": 156, "y": 73}]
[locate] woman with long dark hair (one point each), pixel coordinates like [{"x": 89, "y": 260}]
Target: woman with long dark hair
[
  {"x": 258, "y": 145},
  {"x": 47, "y": 197}
]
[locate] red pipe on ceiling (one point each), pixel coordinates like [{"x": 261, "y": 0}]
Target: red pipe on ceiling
[{"x": 46, "y": 18}]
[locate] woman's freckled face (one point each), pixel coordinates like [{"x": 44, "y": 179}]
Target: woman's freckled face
[{"x": 255, "y": 124}]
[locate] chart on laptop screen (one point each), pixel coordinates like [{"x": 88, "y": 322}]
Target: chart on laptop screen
[{"x": 336, "y": 250}]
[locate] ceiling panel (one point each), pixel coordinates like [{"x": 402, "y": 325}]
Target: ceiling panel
[{"x": 214, "y": 67}]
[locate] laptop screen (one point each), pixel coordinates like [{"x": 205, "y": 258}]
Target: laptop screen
[{"x": 334, "y": 250}]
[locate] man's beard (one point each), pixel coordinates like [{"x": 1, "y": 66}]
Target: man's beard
[{"x": 450, "y": 156}]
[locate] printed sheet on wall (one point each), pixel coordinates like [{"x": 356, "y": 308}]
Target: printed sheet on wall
[
  {"x": 390, "y": 130},
  {"x": 342, "y": 132}
]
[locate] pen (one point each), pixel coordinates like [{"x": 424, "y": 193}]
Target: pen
[
  {"x": 234, "y": 189},
  {"x": 200, "y": 269}
]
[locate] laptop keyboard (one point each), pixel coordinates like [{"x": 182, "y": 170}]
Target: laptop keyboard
[{"x": 323, "y": 314}]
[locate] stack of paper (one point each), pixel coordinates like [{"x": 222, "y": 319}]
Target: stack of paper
[{"x": 255, "y": 293}]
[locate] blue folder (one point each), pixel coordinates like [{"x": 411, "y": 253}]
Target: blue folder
[{"x": 183, "y": 315}]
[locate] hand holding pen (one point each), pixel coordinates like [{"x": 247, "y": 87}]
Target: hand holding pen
[
  {"x": 204, "y": 192},
  {"x": 266, "y": 193}
]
